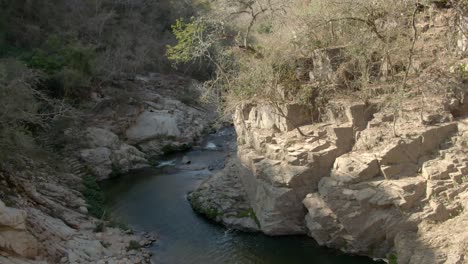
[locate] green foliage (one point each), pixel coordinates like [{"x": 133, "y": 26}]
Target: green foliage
[
  {"x": 68, "y": 67},
  {"x": 462, "y": 71},
  {"x": 116, "y": 171},
  {"x": 188, "y": 35},
  {"x": 250, "y": 214},
  {"x": 392, "y": 259},
  {"x": 94, "y": 196},
  {"x": 265, "y": 28},
  {"x": 58, "y": 54},
  {"x": 209, "y": 211}
]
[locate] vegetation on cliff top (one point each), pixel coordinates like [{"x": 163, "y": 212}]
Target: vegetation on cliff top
[{"x": 264, "y": 50}]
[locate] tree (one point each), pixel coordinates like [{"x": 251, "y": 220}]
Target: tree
[
  {"x": 254, "y": 9},
  {"x": 201, "y": 39}
]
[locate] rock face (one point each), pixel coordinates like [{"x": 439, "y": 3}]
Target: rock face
[
  {"x": 284, "y": 168},
  {"x": 165, "y": 112},
  {"x": 350, "y": 184},
  {"x": 50, "y": 225},
  {"x": 157, "y": 114},
  {"x": 153, "y": 124}
]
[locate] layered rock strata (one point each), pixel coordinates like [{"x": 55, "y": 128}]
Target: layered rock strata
[{"x": 351, "y": 184}]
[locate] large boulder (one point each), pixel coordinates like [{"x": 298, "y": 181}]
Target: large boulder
[
  {"x": 223, "y": 199},
  {"x": 355, "y": 168},
  {"x": 152, "y": 124},
  {"x": 107, "y": 154}
]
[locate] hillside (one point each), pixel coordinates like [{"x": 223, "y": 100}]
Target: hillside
[{"x": 351, "y": 120}]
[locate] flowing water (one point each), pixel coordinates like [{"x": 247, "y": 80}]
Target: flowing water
[{"x": 154, "y": 200}]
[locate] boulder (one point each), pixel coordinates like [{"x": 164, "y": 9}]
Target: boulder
[
  {"x": 99, "y": 159},
  {"x": 353, "y": 167},
  {"x": 152, "y": 124},
  {"x": 223, "y": 199},
  {"x": 321, "y": 221},
  {"x": 99, "y": 137}
]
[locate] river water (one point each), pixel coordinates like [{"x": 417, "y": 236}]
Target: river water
[{"x": 154, "y": 200}]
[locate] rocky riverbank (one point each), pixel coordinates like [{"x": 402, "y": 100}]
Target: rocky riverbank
[
  {"x": 51, "y": 210},
  {"x": 349, "y": 183}
]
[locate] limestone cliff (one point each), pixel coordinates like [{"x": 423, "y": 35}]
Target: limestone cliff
[
  {"x": 350, "y": 184},
  {"x": 361, "y": 176}
]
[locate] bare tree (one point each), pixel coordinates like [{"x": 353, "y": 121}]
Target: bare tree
[{"x": 254, "y": 9}]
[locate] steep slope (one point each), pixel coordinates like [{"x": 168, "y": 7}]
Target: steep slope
[{"x": 386, "y": 180}]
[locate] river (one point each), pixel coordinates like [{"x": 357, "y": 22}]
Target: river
[{"x": 154, "y": 200}]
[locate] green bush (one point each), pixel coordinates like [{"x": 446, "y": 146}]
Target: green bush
[
  {"x": 392, "y": 259},
  {"x": 68, "y": 67},
  {"x": 188, "y": 35},
  {"x": 94, "y": 196}
]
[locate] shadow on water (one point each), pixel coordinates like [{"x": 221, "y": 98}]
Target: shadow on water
[{"x": 155, "y": 200}]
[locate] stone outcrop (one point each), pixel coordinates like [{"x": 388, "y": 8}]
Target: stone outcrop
[
  {"x": 161, "y": 111},
  {"x": 350, "y": 184},
  {"x": 106, "y": 153},
  {"x": 232, "y": 207},
  {"x": 125, "y": 131},
  {"x": 51, "y": 224},
  {"x": 284, "y": 167},
  {"x": 367, "y": 178}
]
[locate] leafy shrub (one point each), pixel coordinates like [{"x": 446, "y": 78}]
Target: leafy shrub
[
  {"x": 188, "y": 35},
  {"x": 94, "y": 196}
]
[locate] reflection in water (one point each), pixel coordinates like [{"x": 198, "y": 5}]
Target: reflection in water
[{"x": 155, "y": 200}]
